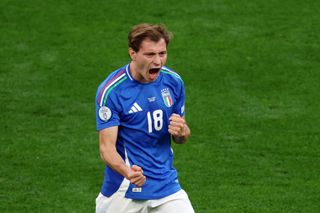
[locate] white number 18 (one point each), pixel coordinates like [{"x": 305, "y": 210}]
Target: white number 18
[{"x": 157, "y": 117}]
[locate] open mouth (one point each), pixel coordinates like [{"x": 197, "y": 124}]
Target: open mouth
[{"x": 154, "y": 70}]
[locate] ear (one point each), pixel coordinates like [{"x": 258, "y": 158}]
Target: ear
[{"x": 132, "y": 54}]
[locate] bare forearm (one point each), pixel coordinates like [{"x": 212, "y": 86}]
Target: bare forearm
[
  {"x": 114, "y": 160},
  {"x": 109, "y": 154}
]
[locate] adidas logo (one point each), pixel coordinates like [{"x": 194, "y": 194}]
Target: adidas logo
[{"x": 135, "y": 108}]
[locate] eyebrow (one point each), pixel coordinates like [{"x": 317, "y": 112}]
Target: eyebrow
[{"x": 153, "y": 53}]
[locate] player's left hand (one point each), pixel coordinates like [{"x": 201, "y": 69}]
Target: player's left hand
[{"x": 177, "y": 125}]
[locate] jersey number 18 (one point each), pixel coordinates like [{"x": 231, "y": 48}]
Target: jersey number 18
[{"x": 157, "y": 118}]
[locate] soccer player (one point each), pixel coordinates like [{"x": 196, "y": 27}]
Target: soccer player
[{"x": 139, "y": 109}]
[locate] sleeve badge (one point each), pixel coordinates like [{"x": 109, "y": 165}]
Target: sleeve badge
[{"x": 104, "y": 113}]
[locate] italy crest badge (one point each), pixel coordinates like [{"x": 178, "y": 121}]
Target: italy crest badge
[{"x": 166, "y": 97}]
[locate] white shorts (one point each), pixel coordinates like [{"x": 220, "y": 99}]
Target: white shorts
[{"x": 117, "y": 203}]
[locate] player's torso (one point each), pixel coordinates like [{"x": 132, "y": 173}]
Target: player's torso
[
  {"x": 144, "y": 120},
  {"x": 147, "y": 107}
]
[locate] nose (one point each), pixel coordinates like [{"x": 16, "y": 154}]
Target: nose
[{"x": 157, "y": 60}]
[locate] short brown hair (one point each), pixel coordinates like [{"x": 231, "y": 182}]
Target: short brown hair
[{"x": 154, "y": 32}]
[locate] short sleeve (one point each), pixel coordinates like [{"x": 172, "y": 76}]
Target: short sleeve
[
  {"x": 107, "y": 114},
  {"x": 179, "y": 106}
]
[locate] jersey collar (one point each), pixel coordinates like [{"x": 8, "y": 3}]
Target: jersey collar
[{"x": 128, "y": 72}]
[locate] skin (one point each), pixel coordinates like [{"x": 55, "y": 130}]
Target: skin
[
  {"x": 145, "y": 67},
  {"x": 178, "y": 128},
  {"x": 109, "y": 154},
  {"x": 151, "y": 55}
]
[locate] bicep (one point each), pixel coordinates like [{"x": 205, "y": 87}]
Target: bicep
[{"x": 108, "y": 138}]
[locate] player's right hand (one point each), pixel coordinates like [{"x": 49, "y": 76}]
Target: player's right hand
[{"x": 136, "y": 176}]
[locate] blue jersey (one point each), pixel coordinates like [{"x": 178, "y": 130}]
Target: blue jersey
[{"x": 141, "y": 111}]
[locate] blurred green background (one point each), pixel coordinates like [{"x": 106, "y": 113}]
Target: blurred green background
[{"x": 251, "y": 73}]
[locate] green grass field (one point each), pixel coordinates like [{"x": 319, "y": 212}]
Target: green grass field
[{"x": 251, "y": 72}]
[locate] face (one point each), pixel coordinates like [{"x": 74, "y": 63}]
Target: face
[{"x": 146, "y": 63}]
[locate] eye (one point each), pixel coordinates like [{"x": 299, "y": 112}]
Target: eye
[
  {"x": 161, "y": 54},
  {"x": 149, "y": 55}
]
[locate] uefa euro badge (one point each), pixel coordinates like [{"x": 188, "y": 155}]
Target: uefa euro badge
[
  {"x": 105, "y": 113},
  {"x": 166, "y": 97}
]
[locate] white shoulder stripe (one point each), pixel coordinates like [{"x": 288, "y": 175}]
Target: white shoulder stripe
[
  {"x": 110, "y": 85},
  {"x": 170, "y": 71}
]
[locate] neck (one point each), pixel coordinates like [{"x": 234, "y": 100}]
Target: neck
[{"x": 133, "y": 71}]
